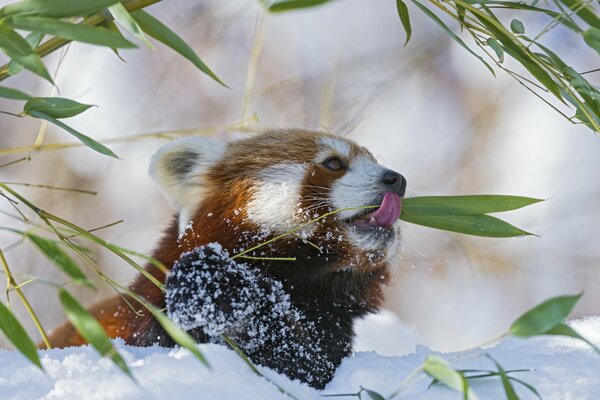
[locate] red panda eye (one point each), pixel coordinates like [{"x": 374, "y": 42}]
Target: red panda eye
[{"x": 333, "y": 164}]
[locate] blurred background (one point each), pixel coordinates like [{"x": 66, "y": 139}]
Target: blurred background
[{"x": 429, "y": 110}]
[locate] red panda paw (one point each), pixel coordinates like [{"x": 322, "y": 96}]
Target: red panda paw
[{"x": 208, "y": 290}]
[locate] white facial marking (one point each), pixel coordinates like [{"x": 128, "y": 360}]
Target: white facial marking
[
  {"x": 358, "y": 187},
  {"x": 276, "y": 197},
  {"x": 338, "y": 145}
]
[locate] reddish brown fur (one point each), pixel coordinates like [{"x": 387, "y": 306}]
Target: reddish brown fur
[{"x": 231, "y": 183}]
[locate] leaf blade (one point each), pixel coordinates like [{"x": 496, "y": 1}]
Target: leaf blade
[
  {"x": 67, "y": 30},
  {"x": 59, "y": 258},
  {"x": 404, "y": 18},
  {"x": 88, "y": 141},
  {"x": 57, "y": 107},
  {"x": 56, "y": 8},
  {"x": 544, "y": 316},
  {"x": 288, "y": 5},
  {"x": 17, "y": 48},
  {"x": 440, "y": 370},
  {"x": 13, "y": 94},
  {"x": 18, "y": 336},
  {"x": 475, "y": 225},
  {"x": 122, "y": 16},
  {"x": 159, "y": 31},
  {"x": 91, "y": 330},
  {"x": 465, "y": 205}
]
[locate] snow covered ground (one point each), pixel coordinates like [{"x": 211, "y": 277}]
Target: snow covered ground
[{"x": 563, "y": 369}]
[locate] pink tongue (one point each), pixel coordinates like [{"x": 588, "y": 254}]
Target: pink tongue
[{"x": 389, "y": 211}]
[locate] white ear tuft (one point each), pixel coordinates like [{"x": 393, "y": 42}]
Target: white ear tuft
[{"x": 178, "y": 168}]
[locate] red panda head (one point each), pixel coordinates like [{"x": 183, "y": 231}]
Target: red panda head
[{"x": 248, "y": 191}]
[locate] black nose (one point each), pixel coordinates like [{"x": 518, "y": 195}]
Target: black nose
[{"x": 396, "y": 181}]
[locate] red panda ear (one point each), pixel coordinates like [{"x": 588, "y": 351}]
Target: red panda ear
[{"x": 178, "y": 168}]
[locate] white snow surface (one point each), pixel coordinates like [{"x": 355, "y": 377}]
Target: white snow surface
[{"x": 562, "y": 368}]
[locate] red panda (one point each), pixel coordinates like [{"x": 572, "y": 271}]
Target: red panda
[{"x": 289, "y": 304}]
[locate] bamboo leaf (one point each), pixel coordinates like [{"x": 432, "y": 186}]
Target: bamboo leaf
[
  {"x": 404, "y": 18},
  {"x": 17, "y": 335},
  {"x": 465, "y": 205},
  {"x": 493, "y": 43},
  {"x": 440, "y": 370},
  {"x": 57, "y": 107},
  {"x": 544, "y": 317},
  {"x": 17, "y": 48},
  {"x": 476, "y": 225},
  {"x": 163, "y": 34},
  {"x": 14, "y": 94},
  {"x": 373, "y": 395},
  {"x": 509, "y": 390},
  {"x": 559, "y": 17},
  {"x": 91, "y": 330},
  {"x": 34, "y": 39},
  {"x": 287, "y": 5},
  {"x": 515, "y": 48},
  {"x": 563, "y": 329},
  {"x": 180, "y": 337},
  {"x": 583, "y": 11},
  {"x": 120, "y": 13},
  {"x": 517, "y": 27},
  {"x": 60, "y": 258},
  {"x": 592, "y": 38},
  {"x": 458, "y": 40},
  {"x": 56, "y": 8},
  {"x": 531, "y": 388},
  {"x": 88, "y": 141},
  {"x": 77, "y": 32}
]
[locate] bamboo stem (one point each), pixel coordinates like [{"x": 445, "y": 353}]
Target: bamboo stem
[{"x": 24, "y": 300}]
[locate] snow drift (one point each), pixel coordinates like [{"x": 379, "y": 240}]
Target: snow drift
[{"x": 561, "y": 369}]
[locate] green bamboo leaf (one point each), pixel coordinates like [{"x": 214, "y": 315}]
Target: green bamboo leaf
[
  {"x": 287, "y": 5},
  {"x": 515, "y": 48},
  {"x": 56, "y": 8},
  {"x": 476, "y": 225},
  {"x": 34, "y": 39},
  {"x": 458, "y": 40},
  {"x": 122, "y": 16},
  {"x": 517, "y": 27},
  {"x": 584, "y": 12},
  {"x": 559, "y": 17},
  {"x": 17, "y": 48},
  {"x": 111, "y": 26},
  {"x": 543, "y": 317},
  {"x": 59, "y": 258},
  {"x": 180, "y": 337},
  {"x": 57, "y": 107},
  {"x": 563, "y": 329},
  {"x": 509, "y": 390},
  {"x": 404, "y": 18},
  {"x": 440, "y": 370},
  {"x": 531, "y": 388},
  {"x": 163, "y": 34},
  {"x": 465, "y": 205},
  {"x": 91, "y": 330},
  {"x": 592, "y": 38},
  {"x": 493, "y": 43},
  {"x": 88, "y": 141},
  {"x": 77, "y": 32},
  {"x": 373, "y": 395},
  {"x": 14, "y": 94},
  {"x": 17, "y": 335}
]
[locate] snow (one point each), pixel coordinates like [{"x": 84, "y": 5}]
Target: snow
[{"x": 563, "y": 368}]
